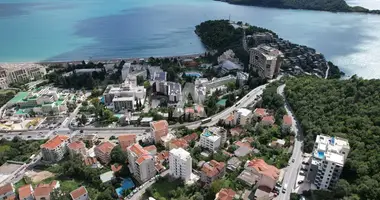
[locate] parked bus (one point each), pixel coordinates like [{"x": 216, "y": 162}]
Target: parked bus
[{"x": 206, "y": 120}]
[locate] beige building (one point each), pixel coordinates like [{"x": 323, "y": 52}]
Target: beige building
[
  {"x": 55, "y": 149},
  {"x": 243, "y": 116},
  {"x": 126, "y": 141},
  {"x": 103, "y": 152},
  {"x": 159, "y": 129},
  {"x": 43, "y": 191},
  {"x": 20, "y": 72},
  {"x": 266, "y": 61},
  {"x": 77, "y": 148},
  {"x": 141, "y": 163}
]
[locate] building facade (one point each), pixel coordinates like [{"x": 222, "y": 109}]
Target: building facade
[
  {"x": 266, "y": 61},
  {"x": 126, "y": 141},
  {"x": 103, "y": 152},
  {"x": 211, "y": 171},
  {"x": 141, "y": 163},
  {"x": 55, "y": 149},
  {"x": 13, "y": 73},
  {"x": 328, "y": 158},
  {"x": 243, "y": 116},
  {"x": 159, "y": 129},
  {"x": 210, "y": 140},
  {"x": 180, "y": 164}
]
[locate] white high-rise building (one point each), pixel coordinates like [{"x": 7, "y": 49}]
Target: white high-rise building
[
  {"x": 210, "y": 140},
  {"x": 328, "y": 158},
  {"x": 180, "y": 164}
]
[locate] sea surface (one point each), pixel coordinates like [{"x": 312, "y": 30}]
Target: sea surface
[{"x": 63, "y": 30}]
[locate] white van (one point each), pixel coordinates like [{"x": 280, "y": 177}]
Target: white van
[{"x": 284, "y": 188}]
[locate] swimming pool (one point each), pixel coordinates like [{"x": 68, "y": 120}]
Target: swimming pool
[
  {"x": 321, "y": 154},
  {"x": 126, "y": 184},
  {"x": 193, "y": 74}
]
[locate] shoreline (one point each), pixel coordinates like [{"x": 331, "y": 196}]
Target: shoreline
[{"x": 105, "y": 60}]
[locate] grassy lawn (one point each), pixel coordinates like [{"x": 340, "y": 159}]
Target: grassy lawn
[{"x": 164, "y": 186}]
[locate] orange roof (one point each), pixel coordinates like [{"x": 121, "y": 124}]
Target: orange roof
[
  {"x": 164, "y": 155},
  {"x": 6, "y": 188},
  {"x": 180, "y": 143},
  {"x": 160, "y": 125},
  {"x": 158, "y": 167},
  {"x": 55, "y": 142},
  {"x": 90, "y": 161},
  {"x": 143, "y": 158},
  {"x": 212, "y": 168},
  {"x": 230, "y": 118},
  {"x": 150, "y": 148},
  {"x": 236, "y": 130},
  {"x": 269, "y": 119},
  {"x": 78, "y": 192},
  {"x": 12, "y": 197},
  {"x": 77, "y": 145},
  {"x": 105, "y": 147},
  {"x": 260, "y": 111},
  {"x": 225, "y": 194},
  {"x": 25, "y": 191},
  {"x": 116, "y": 168},
  {"x": 44, "y": 189},
  {"x": 263, "y": 168},
  {"x": 128, "y": 137},
  {"x": 191, "y": 137},
  {"x": 137, "y": 149},
  {"x": 243, "y": 144},
  {"x": 287, "y": 120}
]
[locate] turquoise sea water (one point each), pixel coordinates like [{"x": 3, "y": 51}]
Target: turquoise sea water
[{"x": 62, "y": 30}]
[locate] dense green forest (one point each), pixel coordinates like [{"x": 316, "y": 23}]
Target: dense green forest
[
  {"x": 18, "y": 150},
  {"x": 323, "y": 5},
  {"x": 346, "y": 108}
]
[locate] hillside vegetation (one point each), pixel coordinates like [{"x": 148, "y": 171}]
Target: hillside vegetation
[
  {"x": 349, "y": 109},
  {"x": 323, "y": 5}
]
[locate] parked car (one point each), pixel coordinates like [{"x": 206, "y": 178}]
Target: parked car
[{"x": 300, "y": 182}]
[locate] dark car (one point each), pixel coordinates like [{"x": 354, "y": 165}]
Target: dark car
[{"x": 300, "y": 182}]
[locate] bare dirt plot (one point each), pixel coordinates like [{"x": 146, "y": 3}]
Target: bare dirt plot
[{"x": 37, "y": 176}]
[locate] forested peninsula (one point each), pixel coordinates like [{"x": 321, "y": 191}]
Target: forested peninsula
[{"x": 321, "y": 5}]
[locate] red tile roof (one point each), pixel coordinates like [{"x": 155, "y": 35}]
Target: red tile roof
[
  {"x": 180, "y": 143},
  {"x": 78, "y": 192},
  {"x": 25, "y": 191},
  {"x": 6, "y": 188},
  {"x": 55, "y": 142},
  {"x": 212, "y": 168},
  {"x": 105, "y": 147},
  {"x": 260, "y": 111},
  {"x": 142, "y": 158},
  {"x": 263, "y": 168},
  {"x": 225, "y": 194},
  {"x": 287, "y": 120},
  {"x": 76, "y": 145},
  {"x": 159, "y": 167},
  {"x": 236, "y": 131},
  {"x": 189, "y": 110},
  {"x": 230, "y": 118},
  {"x": 160, "y": 125},
  {"x": 12, "y": 197},
  {"x": 44, "y": 189},
  {"x": 138, "y": 150},
  {"x": 191, "y": 137},
  {"x": 269, "y": 119},
  {"x": 127, "y": 137},
  {"x": 199, "y": 108},
  {"x": 163, "y": 155},
  {"x": 243, "y": 144},
  {"x": 150, "y": 148},
  {"x": 90, "y": 161},
  {"x": 116, "y": 168}
]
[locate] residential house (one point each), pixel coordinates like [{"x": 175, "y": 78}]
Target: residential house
[
  {"x": 79, "y": 194},
  {"x": 103, "y": 152},
  {"x": 127, "y": 140},
  {"x": 262, "y": 193},
  {"x": 259, "y": 113},
  {"x": 279, "y": 143},
  {"x": 43, "y": 191},
  {"x": 77, "y": 148},
  {"x": 191, "y": 137},
  {"x": 159, "y": 129},
  {"x": 26, "y": 192},
  {"x": 7, "y": 191},
  {"x": 141, "y": 163},
  {"x": 162, "y": 157},
  {"x": 211, "y": 171},
  {"x": 233, "y": 164},
  {"x": 237, "y": 131},
  {"x": 221, "y": 132},
  {"x": 178, "y": 143},
  {"x": 268, "y": 174},
  {"x": 92, "y": 162},
  {"x": 267, "y": 120},
  {"x": 107, "y": 177},
  {"x": 248, "y": 178},
  {"x": 244, "y": 147},
  {"x": 225, "y": 194},
  {"x": 55, "y": 149},
  {"x": 287, "y": 122}
]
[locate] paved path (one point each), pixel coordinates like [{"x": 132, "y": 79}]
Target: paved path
[{"x": 292, "y": 170}]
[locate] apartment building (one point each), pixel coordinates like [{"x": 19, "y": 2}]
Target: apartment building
[
  {"x": 103, "y": 152},
  {"x": 141, "y": 163},
  {"x": 43, "y": 191},
  {"x": 7, "y": 191},
  {"x": 20, "y": 72},
  {"x": 180, "y": 164},
  {"x": 159, "y": 129},
  {"x": 215, "y": 82},
  {"x": 210, "y": 140},
  {"x": 266, "y": 61},
  {"x": 211, "y": 171},
  {"x": 127, "y": 140},
  {"x": 243, "y": 116},
  {"x": 55, "y": 149},
  {"x": 124, "y": 96},
  {"x": 328, "y": 158},
  {"x": 77, "y": 148},
  {"x": 79, "y": 194},
  {"x": 171, "y": 89},
  {"x": 26, "y": 192},
  {"x": 222, "y": 132}
]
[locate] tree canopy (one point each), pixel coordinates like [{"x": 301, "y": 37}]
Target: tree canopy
[{"x": 349, "y": 109}]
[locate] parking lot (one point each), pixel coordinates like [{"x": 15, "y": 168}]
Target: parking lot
[{"x": 302, "y": 183}]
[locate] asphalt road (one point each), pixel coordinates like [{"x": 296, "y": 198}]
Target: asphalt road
[{"x": 292, "y": 170}]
